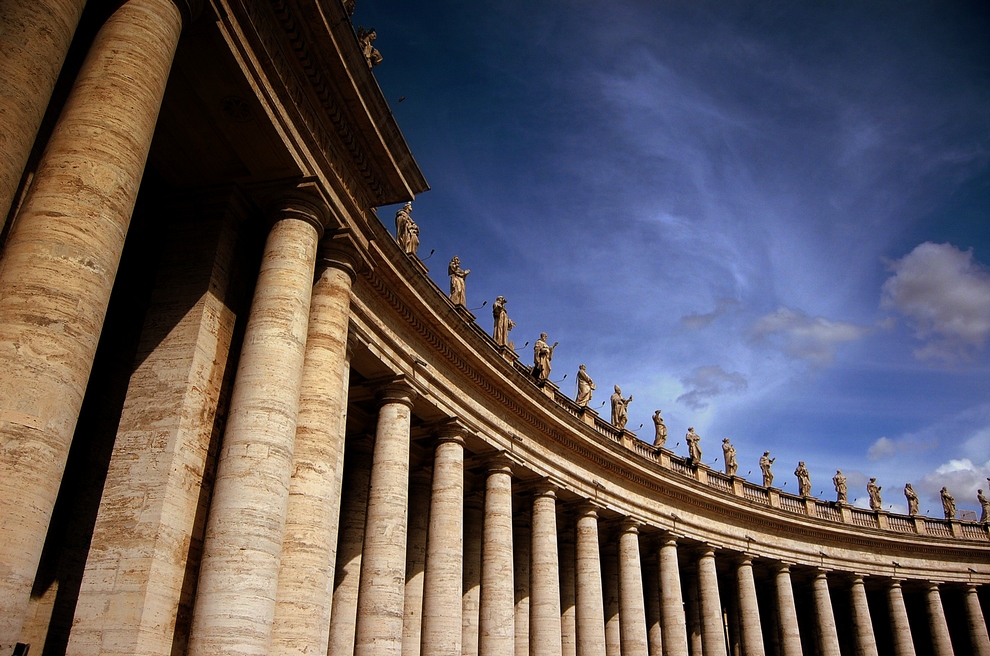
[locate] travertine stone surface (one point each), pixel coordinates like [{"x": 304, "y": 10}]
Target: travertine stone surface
[
  {"x": 692, "y": 610},
  {"x": 632, "y": 612},
  {"x": 416, "y": 536},
  {"x": 866, "y": 642},
  {"x": 473, "y": 515},
  {"x": 568, "y": 599},
  {"x": 33, "y": 43},
  {"x": 712, "y": 635},
  {"x": 828, "y": 638},
  {"x": 589, "y": 607},
  {"x": 790, "y": 633},
  {"x": 749, "y": 610},
  {"x": 671, "y": 602},
  {"x": 651, "y": 593},
  {"x": 941, "y": 643},
  {"x": 522, "y": 543},
  {"x": 444, "y": 567},
  {"x": 378, "y": 631},
  {"x": 900, "y": 628},
  {"x": 978, "y": 639},
  {"x": 309, "y": 544},
  {"x": 58, "y": 269},
  {"x": 610, "y": 594},
  {"x": 544, "y": 604},
  {"x": 496, "y": 630},
  {"x": 238, "y": 576}
]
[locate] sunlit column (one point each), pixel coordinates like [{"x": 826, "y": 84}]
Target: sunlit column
[
  {"x": 941, "y": 643},
  {"x": 590, "y": 604},
  {"x": 900, "y": 628},
  {"x": 866, "y": 642},
  {"x": 749, "y": 609},
  {"x": 790, "y": 633},
  {"x": 712, "y": 630},
  {"x": 497, "y": 611},
  {"x": 977, "y": 625},
  {"x": 828, "y": 637},
  {"x": 671, "y": 602},
  {"x": 632, "y": 612},
  {"x": 544, "y": 603}
]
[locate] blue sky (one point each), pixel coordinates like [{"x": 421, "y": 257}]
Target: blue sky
[{"x": 771, "y": 220}]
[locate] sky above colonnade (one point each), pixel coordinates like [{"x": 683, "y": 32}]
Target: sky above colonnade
[{"x": 769, "y": 219}]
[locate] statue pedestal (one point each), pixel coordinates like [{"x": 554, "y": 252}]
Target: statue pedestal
[
  {"x": 588, "y": 416},
  {"x": 919, "y": 525},
  {"x": 465, "y": 313},
  {"x": 882, "y": 519},
  {"x": 549, "y": 388},
  {"x": 737, "y": 486},
  {"x": 845, "y": 511},
  {"x": 418, "y": 263},
  {"x": 809, "y": 507},
  {"x": 774, "y": 494},
  {"x": 627, "y": 438},
  {"x": 663, "y": 457},
  {"x": 700, "y": 472}
]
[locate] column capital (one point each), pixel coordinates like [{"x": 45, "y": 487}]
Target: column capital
[
  {"x": 396, "y": 389},
  {"x": 450, "y": 430},
  {"x": 630, "y": 525},
  {"x": 545, "y": 488},
  {"x": 341, "y": 249},
  {"x": 744, "y": 560},
  {"x": 499, "y": 462},
  {"x": 668, "y": 538},
  {"x": 782, "y": 566},
  {"x": 587, "y": 508}
]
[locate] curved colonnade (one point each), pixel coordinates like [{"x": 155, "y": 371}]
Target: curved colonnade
[{"x": 314, "y": 450}]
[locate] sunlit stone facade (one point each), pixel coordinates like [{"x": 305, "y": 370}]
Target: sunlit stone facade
[{"x": 237, "y": 418}]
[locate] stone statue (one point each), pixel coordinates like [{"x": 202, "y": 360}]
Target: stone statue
[
  {"x": 765, "y": 463},
  {"x": 729, "y": 451},
  {"x": 841, "y": 489},
  {"x": 371, "y": 54},
  {"x": 694, "y": 445},
  {"x": 620, "y": 407},
  {"x": 985, "y": 515},
  {"x": 503, "y": 324},
  {"x": 912, "y": 499},
  {"x": 542, "y": 355},
  {"x": 406, "y": 230},
  {"x": 661, "y": 435},
  {"x": 876, "y": 502},
  {"x": 585, "y": 386},
  {"x": 948, "y": 503},
  {"x": 804, "y": 479},
  {"x": 457, "y": 276}
]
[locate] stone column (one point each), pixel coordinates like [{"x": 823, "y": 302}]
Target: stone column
[
  {"x": 941, "y": 643},
  {"x": 378, "y": 631},
  {"x": 242, "y": 546},
  {"x": 309, "y": 544},
  {"x": 712, "y": 630},
  {"x": 749, "y": 609},
  {"x": 978, "y": 639},
  {"x": 416, "y": 530},
  {"x": 590, "y": 606},
  {"x": 900, "y": 628},
  {"x": 568, "y": 610},
  {"x": 692, "y": 611},
  {"x": 473, "y": 513},
  {"x": 828, "y": 637},
  {"x": 674, "y": 626},
  {"x": 790, "y": 632},
  {"x": 59, "y": 264},
  {"x": 444, "y": 567},
  {"x": 866, "y": 642},
  {"x": 33, "y": 45},
  {"x": 610, "y": 593},
  {"x": 651, "y": 592},
  {"x": 521, "y": 539},
  {"x": 544, "y": 593},
  {"x": 632, "y": 612},
  {"x": 496, "y": 623}
]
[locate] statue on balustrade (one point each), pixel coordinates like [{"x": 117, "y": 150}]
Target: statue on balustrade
[
  {"x": 948, "y": 503},
  {"x": 912, "y": 499},
  {"x": 585, "y": 386},
  {"x": 765, "y": 463},
  {"x": 620, "y": 414},
  {"x": 804, "y": 479},
  {"x": 503, "y": 324},
  {"x": 694, "y": 446},
  {"x": 841, "y": 489},
  {"x": 457, "y": 276},
  {"x": 985, "y": 505},
  {"x": 542, "y": 355},
  {"x": 406, "y": 230},
  {"x": 371, "y": 54},
  {"x": 729, "y": 451},
  {"x": 876, "y": 502},
  {"x": 661, "y": 435}
]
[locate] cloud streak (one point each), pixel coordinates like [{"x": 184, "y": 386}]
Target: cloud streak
[
  {"x": 812, "y": 339},
  {"x": 705, "y": 383}
]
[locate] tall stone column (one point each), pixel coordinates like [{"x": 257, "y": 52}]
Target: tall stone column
[
  {"x": 309, "y": 544},
  {"x": 790, "y": 632},
  {"x": 828, "y": 637},
  {"x": 33, "y": 46},
  {"x": 632, "y": 611},
  {"x": 692, "y": 611},
  {"x": 610, "y": 593},
  {"x": 473, "y": 513},
  {"x": 900, "y": 628},
  {"x": 568, "y": 599},
  {"x": 496, "y": 623},
  {"x": 444, "y": 547},
  {"x": 749, "y": 609},
  {"x": 651, "y": 592},
  {"x": 941, "y": 643},
  {"x": 522, "y": 542},
  {"x": 544, "y": 593},
  {"x": 866, "y": 642},
  {"x": 378, "y": 631},
  {"x": 59, "y": 265},
  {"x": 712, "y": 631},
  {"x": 416, "y": 535},
  {"x": 978, "y": 639},
  {"x": 590, "y": 608},
  {"x": 242, "y": 546},
  {"x": 671, "y": 601}
]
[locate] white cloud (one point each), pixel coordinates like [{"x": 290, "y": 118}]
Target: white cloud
[
  {"x": 945, "y": 294},
  {"x": 814, "y": 339},
  {"x": 885, "y": 448},
  {"x": 962, "y": 478},
  {"x": 707, "y": 382},
  {"x": 882, "y": 448}
]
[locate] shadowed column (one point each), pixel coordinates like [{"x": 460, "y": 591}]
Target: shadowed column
[
  {"x": 671, "y": 601},
  {"x": 568, "y": 610},
  {"x": 790, "y": 633},
  {"x": 651, "y": 593},
  {"x": 521, "y": 544},
  {"x": 496, "y": 623},
  {"x": 632, "y": 612},
  {"x": 866, "y": 642},
  {"x": 941, "y": 643},
  {"x": 473, "y": 513},
  {"x": 828, "y": 637},
  {"x": 544, "y": 602},
  {"x": 749, "y": 609},
  {"x": 712, "y": 632},
  {"x": 590, "y": 608},
  {"x": 417, "y": 528},
  {"x": 900, "y": 628},
  {"x": 978, "y": 639}
]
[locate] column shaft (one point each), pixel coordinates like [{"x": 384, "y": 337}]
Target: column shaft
[
  {"x": 941, "y": 643},
  {"x": 568, "y": 599},
  {"x": 416, "y": 536},
  {"x": 978, "y": 639},
  {"x": 522, "y": 542},
  {"x": 749, "y": 609},
  {"x": 444, "y": 567},
  {"x": 473, "y": 513},
  {"x": 58, "y": 269},
  {"x": 790, "y": 633},
  {"x": 610, "y": 593},
  {"x": 383, "y": 562},
  {"x": 589, "y": 607},
  {"x": 900, "y": 628},
  {"x": 544, "y": 604},
  {"x": 828, "y": 637},
  {"x": 866, "y": 642},
  {"x": 651, "y": 592},
  {"x": 712, "y": 632},
  {"x": 632, "y": 612},
  {"x": 496, "y": 622},
  {"x": 674, "y": 625}
]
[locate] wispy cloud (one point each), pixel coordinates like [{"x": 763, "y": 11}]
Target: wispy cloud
[
  {"x": 813, "y": 339},
  {"x": 696, "y": 320},
  {"x": 705, "y": 383},
  {"x": 885, "y": 448}
]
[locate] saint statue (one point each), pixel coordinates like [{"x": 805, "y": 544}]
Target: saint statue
[
  {"x": 912, "y": 499},
  {"x": 729, "y": 451},
  {"x": 841, "y": 489},
  {"x": 585, "y": 386},
  {"x": 457, "y": 276},
  {"x": 542, "y": 355},
  {"x": 661, "y": 435},
  {"x": 694, "y": 445},
  {"x": 948, "y": 503},
  {"x": 619, "y": 409},
  {"x": 804, "y": 479},
  {"x": 876, "y": 502},
  {"x": 765, "y": 463},
  {"x": 503, "y": 324},
  {"x": 985, "y": 515},
  {"x": 406, "y": 230},
  {"x": 371, "y": 54}
]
